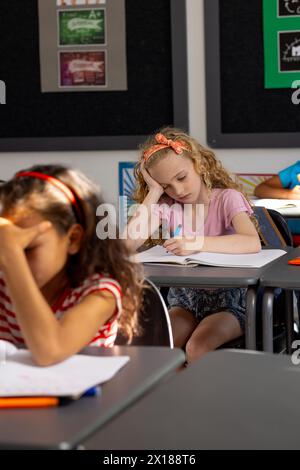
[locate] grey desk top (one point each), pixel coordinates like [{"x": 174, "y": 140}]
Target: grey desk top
[
  {"x": 203, "y": 276},
  {"x": 281, "y": 274},
  {"x": 227, "y": 400},
  {"x": 64, "y": 427}
]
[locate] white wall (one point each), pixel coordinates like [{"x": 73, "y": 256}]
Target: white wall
[{"x": 103, "y": 166}]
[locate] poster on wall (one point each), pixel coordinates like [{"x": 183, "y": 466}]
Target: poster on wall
[
  {"x": 70, "y": 3},
  {"x": 82, "y": 69},
  {"x": 281, "y": 42},
  {"x": 80, "y": 27},
  {"x": 127, "y": 187},
  {"x": 82, "y": 45}
]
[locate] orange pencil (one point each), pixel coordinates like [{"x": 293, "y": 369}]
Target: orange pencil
[
  {"x": 295, "y": 261},
  {"x": 29, "y": 402}
]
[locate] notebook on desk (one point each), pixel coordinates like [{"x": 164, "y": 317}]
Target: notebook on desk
[
  {"x": 277, "y": 203},
  {"x": 20, "y": 376},
  {"x": 159, "y": 255}
]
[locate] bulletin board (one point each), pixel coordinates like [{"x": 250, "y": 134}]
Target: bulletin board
[
  {"x": 242, "y": 111},
  {"x": 156, "y": 93}
]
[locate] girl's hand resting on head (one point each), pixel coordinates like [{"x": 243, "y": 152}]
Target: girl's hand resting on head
[
  {"x": 14, "y": 237},
  {"x": 182, "y": 246},
  {"x": 151, "y": 183}
]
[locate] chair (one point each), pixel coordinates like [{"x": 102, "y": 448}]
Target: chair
[
  {"x": 289, "y": 239},
  {"x": 274, "y": 230},
  {"x": 296, "y": 240},
  {"x": 154, "y": 321},
  {"x": 275, "y": 233}
]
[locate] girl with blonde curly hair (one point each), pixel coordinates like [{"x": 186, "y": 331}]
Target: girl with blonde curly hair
[{"x": 175, "y": 172}]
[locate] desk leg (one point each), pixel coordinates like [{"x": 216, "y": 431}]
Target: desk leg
[
  {"x": 267, "y": 310},
  {"x": 251, "y": 319},
  {"x": 289, "y": 319}
]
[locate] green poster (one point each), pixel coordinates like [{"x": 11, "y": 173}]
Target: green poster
[
  {"x": 281, "y": 42},
  {"x": 82, "y": 27}
]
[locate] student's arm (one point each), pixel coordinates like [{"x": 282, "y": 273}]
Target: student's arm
[
  {"x": 48, "y": 339},
  {"x": 143, "y": 214},
  {"x": 272, "y": 188},
  {"x": 245, "y": 240}
]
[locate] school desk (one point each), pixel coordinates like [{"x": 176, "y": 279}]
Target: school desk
[
  {"x": 214, "y": 277},
  {"x": 66, "y": 426},
  {"x": 226, "y": 400},
  {"x": 286, "y": 277}
]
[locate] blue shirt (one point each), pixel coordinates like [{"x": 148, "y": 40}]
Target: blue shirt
[{"x": 289, "y": 180}]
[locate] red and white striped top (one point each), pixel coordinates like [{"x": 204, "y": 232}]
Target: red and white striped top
[{"x": 106, "y": 335}]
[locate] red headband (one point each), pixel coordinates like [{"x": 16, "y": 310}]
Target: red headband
[
  {"x": 59, "y": 185},
  {"x": 177, "y": 145}
]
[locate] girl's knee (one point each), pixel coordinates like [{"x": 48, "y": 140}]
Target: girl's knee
[
  {"x": 196, "y": 348},
  {"x": 183, "y": 325}
]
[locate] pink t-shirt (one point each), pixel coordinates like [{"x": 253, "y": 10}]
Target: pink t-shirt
[{"x": 224, "y": 205}]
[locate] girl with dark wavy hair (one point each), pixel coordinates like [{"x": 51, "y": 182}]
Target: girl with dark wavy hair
[{"x": 61, "y": 288}]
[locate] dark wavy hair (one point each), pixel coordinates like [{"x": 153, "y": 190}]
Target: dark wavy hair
[{"x": 29, "y": 194}]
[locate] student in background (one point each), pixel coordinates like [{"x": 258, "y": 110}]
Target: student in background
[
  {"x": 175, "y": 168},
  {"x": 61, "y": 288},
  {"x": 284, "y": 186}
]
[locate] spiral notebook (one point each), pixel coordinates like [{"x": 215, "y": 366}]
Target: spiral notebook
[{"x": 159, "y": 255}]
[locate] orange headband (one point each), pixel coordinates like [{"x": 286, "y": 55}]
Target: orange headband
[
  {"x": 177, "y": 145},
  {"x": 59, "y": 185}
]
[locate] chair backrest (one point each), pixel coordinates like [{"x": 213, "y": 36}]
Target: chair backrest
[
  {"x": 154, "y": 320},
  {"x": 274, "y": 231}
]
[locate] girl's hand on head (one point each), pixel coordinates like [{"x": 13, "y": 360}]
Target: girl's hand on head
[
  {"x": 12, "y": 236},
  {"x": 151, "y": 183},
  {"x": 181, "y": 246}
]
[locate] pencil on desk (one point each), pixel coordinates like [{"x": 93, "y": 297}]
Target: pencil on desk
[
  {"x": 295, "y": 261},
  {"x": 45, "y": 402},
  {"x": 29, "y": 402},
  {"x": 92, "y": 392}
]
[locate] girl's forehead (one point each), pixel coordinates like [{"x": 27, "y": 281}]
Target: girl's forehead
[{"x": 171, "y": 165}]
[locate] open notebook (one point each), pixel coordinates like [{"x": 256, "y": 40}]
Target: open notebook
[
  {"x": 158, "y": 255},
  {"x": 20, "y": 376}
]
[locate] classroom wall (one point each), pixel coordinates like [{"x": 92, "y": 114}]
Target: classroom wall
[{"x": 103, "y": 166}]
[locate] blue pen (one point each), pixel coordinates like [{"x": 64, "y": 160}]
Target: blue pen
[
  {"x": 92, "y": 392},
  {"x": 177, "y": 231}
]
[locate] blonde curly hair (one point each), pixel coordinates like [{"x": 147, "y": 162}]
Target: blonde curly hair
[{"x": 206, "y": 164}]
